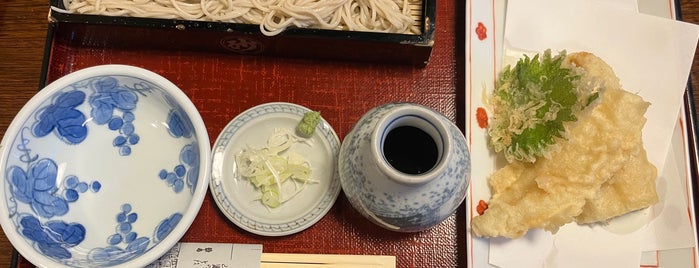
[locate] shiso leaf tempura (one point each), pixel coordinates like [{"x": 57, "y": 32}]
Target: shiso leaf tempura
[
  {"x": 270, "y": 167},
  {"x": 532, "y": 101}
]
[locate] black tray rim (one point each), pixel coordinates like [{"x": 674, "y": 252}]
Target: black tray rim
[{"x": 428, "y": 14}]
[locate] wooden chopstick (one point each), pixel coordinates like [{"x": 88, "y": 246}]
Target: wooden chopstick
[{"x": 292, "y": 260}]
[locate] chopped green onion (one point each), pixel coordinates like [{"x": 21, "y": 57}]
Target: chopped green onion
[{"x": 270, "y": 167}]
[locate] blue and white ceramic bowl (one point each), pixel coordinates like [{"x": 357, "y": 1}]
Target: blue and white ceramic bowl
[{"x": 107, "y": 166}]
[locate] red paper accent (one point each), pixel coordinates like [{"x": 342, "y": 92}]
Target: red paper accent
[
  {"x": 482, "y": 117},
  {"x": 481, "y": 31}
]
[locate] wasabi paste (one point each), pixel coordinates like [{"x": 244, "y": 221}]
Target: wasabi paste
[{"x": 308, "y": 124}]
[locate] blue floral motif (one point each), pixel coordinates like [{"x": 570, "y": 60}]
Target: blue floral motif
[
  {"x": 37, "y": 185},
  {"x": 41, "y": 198},
  {"x": 166, "y": 226},
  {"x": 178, "y": 125},
  {"x": 133, "y": 245},
  {"x": 181, "y": 174},
  {"x": 37, "y": 188},
  {"x": 109, "y": 99},
  {"x": 54, "y": 237},
  {"x": 62, "y": 118},
  {"x": 112, "y": 105},
  {"x": 125, "y": 244}
]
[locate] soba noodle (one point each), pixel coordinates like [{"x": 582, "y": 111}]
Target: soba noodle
[{"x": 273, "y": 16}]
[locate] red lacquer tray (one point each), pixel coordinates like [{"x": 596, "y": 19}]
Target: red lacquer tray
[{"x": 224, "y": 85}]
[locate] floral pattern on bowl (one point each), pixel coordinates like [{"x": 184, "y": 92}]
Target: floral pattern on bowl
[{"x": 95, "y": 167}]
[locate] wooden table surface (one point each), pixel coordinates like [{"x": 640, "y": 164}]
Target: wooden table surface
[{"x": 23, "y": 25}]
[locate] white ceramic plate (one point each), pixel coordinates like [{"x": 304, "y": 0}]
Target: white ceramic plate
[
  {"x": 238, "y": 198},
  {"x": 482, "y": 56}
]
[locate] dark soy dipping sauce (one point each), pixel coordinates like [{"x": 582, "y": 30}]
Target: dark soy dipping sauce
[{"x": 410, "y": 150}]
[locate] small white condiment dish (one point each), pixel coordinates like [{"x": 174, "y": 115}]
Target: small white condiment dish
[{"x": 239, "y": 199}]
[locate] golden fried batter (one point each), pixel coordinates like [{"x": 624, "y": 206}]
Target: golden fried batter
[
  {"x": 601, "y": 161},
  {"x": 632, "y": 188}
]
